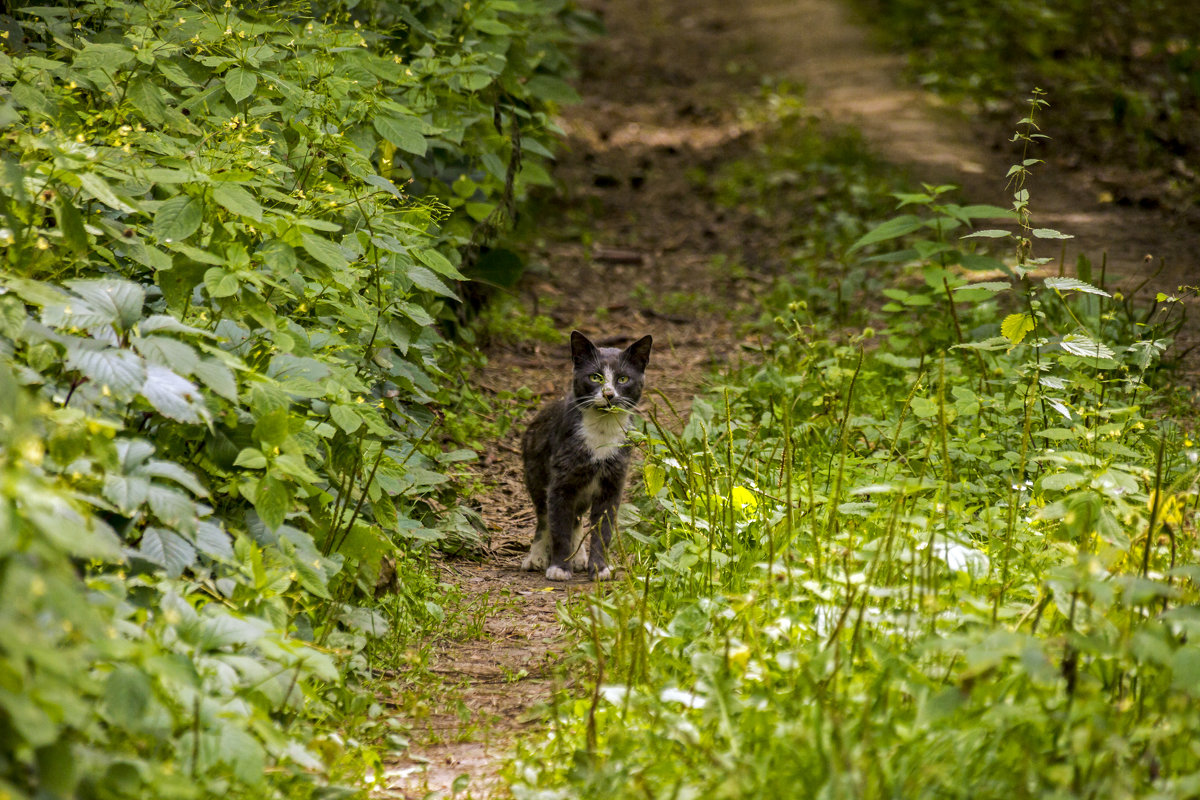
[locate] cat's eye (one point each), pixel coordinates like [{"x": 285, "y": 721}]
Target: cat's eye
[
  {"x": 623, "y": 379},
  {"x": 596, "y": 377}
]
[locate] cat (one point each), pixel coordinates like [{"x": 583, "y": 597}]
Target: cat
[{"x": 576, "y": 457}]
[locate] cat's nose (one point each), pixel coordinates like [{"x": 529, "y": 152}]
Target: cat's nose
[{"x": 609, "y": 393}]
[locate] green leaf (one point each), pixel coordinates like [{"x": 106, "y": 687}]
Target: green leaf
[
  {"x": 556, "y": 90},
  {"x": 892, "y": 229},
  {"x": 1049, "y": 233},
  {"x": 426, "y": 280},
  {"x": 178, "y": 218},
  {"x": 172, "y": 353},
  {"x": 212, "y": 373},
  {"x": 1015, "y": 326},
  {"x": 991, "y": 233},
  {"x": 272, "y": 501},
  {"x": 127, "y": 694},
  {"x": 1084, "y": 346},
  {"x": 404, "y": 132},
  {"x": 1073, "y": 284},
  {"x": 122, "y": 299},
  {"x": 173, "y": 396},
  {"x": 237, "y": 200},
  {"x": 240, "y": 83},
  {"x": 346, "y": 417},
  {"x": 121, "y": 372},
  {"x": 989, "y": 286},
  {"x": 98, "y": 188},
  {"x": 106, "y": 57},
  {"x": 251, "y": 458},
  {"x": 272, "y": 428},
  {"x": 324, "y": 251},
  {"x": 167, "y": 549},
  {"x": 71, "y": 225}
]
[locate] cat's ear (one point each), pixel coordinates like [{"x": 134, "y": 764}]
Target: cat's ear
[
  {"x": 582, "y": 349},
  {"x": 638, "y": 353}
]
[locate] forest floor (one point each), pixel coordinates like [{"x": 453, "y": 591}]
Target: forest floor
[{"x": 631, "y": 246}]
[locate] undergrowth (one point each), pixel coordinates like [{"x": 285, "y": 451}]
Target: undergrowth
[{"x": 939, "y": 541}]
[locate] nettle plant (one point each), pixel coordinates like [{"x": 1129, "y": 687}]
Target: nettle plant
[
  {"x": 228, "y": 236},
  {"x": 873, "y": 567}
]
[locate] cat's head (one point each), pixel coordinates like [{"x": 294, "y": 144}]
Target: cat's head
[{"x": 607, "y": 378}]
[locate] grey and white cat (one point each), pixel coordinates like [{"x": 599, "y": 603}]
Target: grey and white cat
[{"x": 576, "y": 458}]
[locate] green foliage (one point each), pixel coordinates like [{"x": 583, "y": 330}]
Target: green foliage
[
  {"x": 229, "y": 233},
  {"x": 869, "y": 566},
  {"x": 1125, "y": 76}
]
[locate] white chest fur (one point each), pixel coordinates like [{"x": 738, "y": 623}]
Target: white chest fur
[{"x": 604, "y": 432}]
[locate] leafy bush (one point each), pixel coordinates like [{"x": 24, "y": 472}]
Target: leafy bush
[
  {"x": 229, "y": 233},
  {"x": 950, "y": 554}
]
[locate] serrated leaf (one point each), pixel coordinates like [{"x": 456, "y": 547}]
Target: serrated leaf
[
  {"x": 174, "y": 472},
  {"x": 404, "y": 132},
  {"x": 240, "y": 83},
  {"x": 438, "y": 263},
  {"x": 1015, "y": 326},
  {"x": 177, "y": 218},
  {"x": 127, "y": 693},
  {"x": 213, "y": 374},
  {"x": 71, "y": 225},
  {"x": 167, "y": 324},
  {"x": 212, "y": 541},
  {"x": 126, "y": 492},
  {"x": 103, "y": 56},
  {"x": 172, "y": 353},
  {"x": 1073, "y": 284},
  {"x": 425, "y": 279},
  {"x": 123, "y": 300},
  {"x": 237, "y": 200},
  {"x": 991, "y": 233},
  {"x": 1084, "y": 346},
  {"x": 172, "y": 507},
  {"x": 346, "y": 418},
  {"x": 894, "y": 228},
  {"x": 122, "y": 372},
  {"x": 173, "y": 396},
  {"x": 98, "y": 188},
  {"x": 556, "y": 90},
  {"x": 1050, "y": 233},
  {"x": 324, "y": 251},
  {"x": 990, "y": 286},
  {"x": 272, "y": 501},
  {"x": 167, "y": 549}
]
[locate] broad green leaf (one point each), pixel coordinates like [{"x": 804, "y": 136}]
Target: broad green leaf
[
  {"x": 167, "y": 549},
  {"x": 120, "y": 372},
  {"x": 212, "y": 373},
  {"x": 1079, "y": 345},
  {"x": 346, "y": 417},
  {"x": 221, "y": 283},
  {"x": 1073, "y": 284},
  {"x": 122, "y": 299},
  {"x": 251, "y": 458},
  {"x": 237, "y": 200},
  {"x": 98, "y": 188},
  {"x": 212, "y": 541},
  {"x": 174, "y": 472},
  {"x": 178, "y": 218},
  {"x": 172, "y": 353},
  {"x": 127, "y": 694},
  {"x": 174, "y": 396},
  {"x": 240, "y": 83},
  {"x": 892, "y": 229},
  {"x": 991, "y": 233},
  {"x": 556, "y": 90},
  {"x": 1015, "y": 326},
  {"x": 126, "y": 492},
  {"x": 172, "y": 507},
  {"x": 147, "y": 98},
  {"x": 404, "y": 132},
  {"x": 272, "y": 428},
  {"x": 324, "y": 251},
  {"x": 425, "y": 279},
  {"x": 1049, "y": 233},
  {"x": 70, "y": 223},
  {"x": 106, "y": 57},
  {"x": 272, "y": 501}
]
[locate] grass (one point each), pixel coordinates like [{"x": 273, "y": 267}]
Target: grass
[{"x": 936, "y": 547}]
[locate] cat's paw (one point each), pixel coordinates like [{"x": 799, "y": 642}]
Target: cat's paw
[
  {"x": 580, "y": 561},
  {"x": 538, "y": 558},
  {"x": 602, "y": 574},
  {"x": 558, "y": 574}
]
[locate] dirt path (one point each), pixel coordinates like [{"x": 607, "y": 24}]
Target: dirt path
[{"x": 631, "y": 247}]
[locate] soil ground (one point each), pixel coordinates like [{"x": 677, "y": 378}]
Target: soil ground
[{"x": 630, "y": 247}]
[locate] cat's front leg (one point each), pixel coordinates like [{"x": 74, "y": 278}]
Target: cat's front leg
[
  {"x": 604, "y": 523},
  {"x": 539, "y": 550},
  {"x": 562, "y": 526}
]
